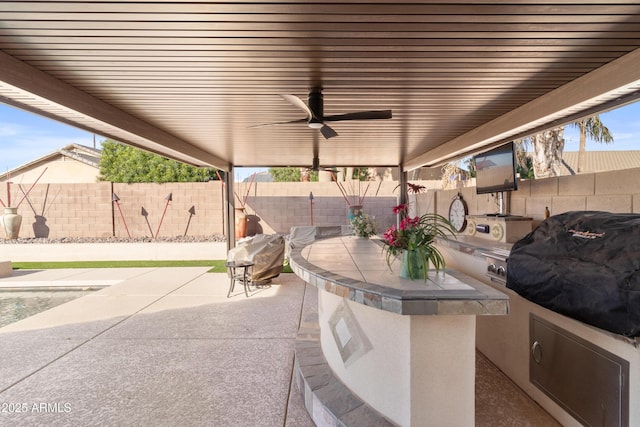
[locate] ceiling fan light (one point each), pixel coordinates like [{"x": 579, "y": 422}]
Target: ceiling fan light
[{"x": 315, "y": 124}]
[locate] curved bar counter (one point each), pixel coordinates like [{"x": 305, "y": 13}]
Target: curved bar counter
[{"x": 406, "y": 348}]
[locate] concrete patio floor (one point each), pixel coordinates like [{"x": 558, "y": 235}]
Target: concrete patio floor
[
  {"x": 166, "y": 347},
  {"x": 159, "y": 346}
]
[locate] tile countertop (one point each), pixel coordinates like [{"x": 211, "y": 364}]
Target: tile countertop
[{"x": 356, "y": 269}]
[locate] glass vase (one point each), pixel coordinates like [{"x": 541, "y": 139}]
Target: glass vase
[{"x": 412, "y": 266}]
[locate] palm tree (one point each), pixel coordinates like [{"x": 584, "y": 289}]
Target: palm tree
[
  {"x": 548, "y": 147},
  {"x": 524, "y": 160},
  {"x": 593, "y": 128}
]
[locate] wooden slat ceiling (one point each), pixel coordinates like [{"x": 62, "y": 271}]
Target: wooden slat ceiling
[{"x": 191, "y": 79}]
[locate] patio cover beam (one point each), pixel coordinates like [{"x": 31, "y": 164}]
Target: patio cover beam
[
  {"x": 49, "y": 94},
  {"x": 614, "y": 84}
]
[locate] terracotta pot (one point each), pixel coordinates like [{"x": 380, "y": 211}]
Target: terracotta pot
[{"x": 241, "y": 223}]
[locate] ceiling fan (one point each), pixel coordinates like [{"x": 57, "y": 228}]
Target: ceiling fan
[{"x": 315, "y": 113}]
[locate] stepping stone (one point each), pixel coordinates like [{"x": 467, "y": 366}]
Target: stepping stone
[{"x": 5, "y": 269}]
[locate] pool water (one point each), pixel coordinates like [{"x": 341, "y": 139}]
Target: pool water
[{"x": 18, "y": 305}]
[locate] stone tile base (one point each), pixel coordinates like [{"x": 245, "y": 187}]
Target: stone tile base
[{"x": 328, "y": 401}]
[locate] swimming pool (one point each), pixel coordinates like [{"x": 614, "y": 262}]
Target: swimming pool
[{"x": 19, "y": 304}]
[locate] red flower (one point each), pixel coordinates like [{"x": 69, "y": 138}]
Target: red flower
[
  {"x": 400, "y": 209},
  {"x": 390, "y": 234},
  {"x": 416, "y": 188},
  {"x": 408, "y": 223}
]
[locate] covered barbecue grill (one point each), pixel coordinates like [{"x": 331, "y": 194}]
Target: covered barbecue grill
[{"x": 585, "y": 265}]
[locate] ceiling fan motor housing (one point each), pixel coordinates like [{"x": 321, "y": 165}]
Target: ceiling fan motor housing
[{"x": 315, "y": 102}]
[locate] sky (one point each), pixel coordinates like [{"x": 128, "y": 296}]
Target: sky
[{"x": 26, "y": 136}]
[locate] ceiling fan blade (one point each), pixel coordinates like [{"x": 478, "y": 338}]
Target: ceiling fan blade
[
  {"x": 297, "y": 102},
  {"x": 279, "y": 123},
  {"x": 327, "y": 132},
  {"x": 360, "y": 115},
  {"x": 315, "y": 118}
]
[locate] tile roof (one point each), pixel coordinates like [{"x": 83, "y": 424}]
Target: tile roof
[{"x": 601, "y": 161}]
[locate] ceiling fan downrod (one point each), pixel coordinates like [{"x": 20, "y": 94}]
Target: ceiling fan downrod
[{"x": 315, "y": 101}]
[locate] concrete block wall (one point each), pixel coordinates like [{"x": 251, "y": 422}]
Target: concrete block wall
[
  {"x": 86, "y": 210},
  {"x": 276, "y": 207},
  {"x": 613, "y": 191},
  {"x": 170, "y": 220},
  {"x": 63, "y": 210}
]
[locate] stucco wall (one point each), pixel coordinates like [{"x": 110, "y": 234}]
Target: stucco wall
[{"x": 60, "y": 170}]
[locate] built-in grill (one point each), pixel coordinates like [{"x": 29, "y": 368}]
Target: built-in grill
[
  {"x": 497, "y": 265},
  {"x": 582, "y": 264}
]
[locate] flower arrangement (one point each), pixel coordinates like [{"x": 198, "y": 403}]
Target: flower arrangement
[
  {"x": 364, "y": 225},
  {"x": 415, "y": 238}
]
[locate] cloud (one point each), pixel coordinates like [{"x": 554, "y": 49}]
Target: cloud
[
  {"x": 11, "y": 129},
  {"x": 20, "y": 143}
]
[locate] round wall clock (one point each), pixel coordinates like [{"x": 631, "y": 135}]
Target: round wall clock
[{"x": 458, "y": 213}]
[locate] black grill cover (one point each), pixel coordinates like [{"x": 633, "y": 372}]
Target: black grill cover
[{"x": 585, "y": 265}]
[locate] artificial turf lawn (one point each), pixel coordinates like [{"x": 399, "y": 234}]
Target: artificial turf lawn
[
  {"x": 114, "y": 264},
  {"x": 217, "y": 266}
]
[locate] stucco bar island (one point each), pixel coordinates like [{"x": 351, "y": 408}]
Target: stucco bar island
[{"x": 404, "y": 348}]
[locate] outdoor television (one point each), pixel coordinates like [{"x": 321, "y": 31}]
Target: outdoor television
[{"x": 496, "y": 170}]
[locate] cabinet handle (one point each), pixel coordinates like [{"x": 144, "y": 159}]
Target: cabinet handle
[{"x": 536, "y": 352}]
